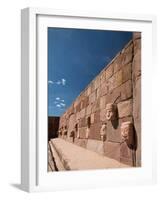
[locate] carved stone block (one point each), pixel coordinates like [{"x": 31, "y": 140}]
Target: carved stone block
[
  {"x": 103, "y": 132},
  {"x": 125, "y": 108},
  {"x": 127, "y": 132},
  {"x": 110, "y": 111}
]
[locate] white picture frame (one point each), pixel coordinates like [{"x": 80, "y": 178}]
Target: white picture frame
[{"x": 33, "y": 177}]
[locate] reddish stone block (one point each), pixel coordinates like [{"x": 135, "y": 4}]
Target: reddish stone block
[
  {"x": 103, "y": 115},
  {"x": 103, "y": 102},
  {"x": 137, "y": 46},
  {"x": 125, "y": 119},
  {"x": 102, "y": 77},
  {"x": 82, "y": 113},
  {"x": 117, "y": 79},
  {"x": 127, "y": 57},
  {"x": 111, "y": 84},
  {"x": 103, "y": 89},
  {"x": 113, "y": 131},
  {"x": 112, "y": 150},
  {"x": 127, "y": 72},
  {"x": 92, "y": 118},
  {"x": 126, "y": 90},
  {"x": 125, "y": 108},
  {"x": 92, "y": 97},
  {"x": 137, "y": 66},
  {"x": 136, "y": 35},
  {"x": 89, "y": 109},
  {"x": 82, "y": 122},
  {"x": 126, "y": 154},
  {"x": 85, "y": 102},
  {"x": 97, "y": 117},
  {"x": 109, "y": 71},
  {"x": 82, "y": 132},
  {"x": 97, "y": 82},
  {"x": 95, "y": 131},
  {"x": 77, "y": 116},
  {"x": 118, "y": 62},
  {"x": 96, "y": 106},
  {"x": 98, "y": 92},
  {"x": 89, "y": 90},
  {"x": 78, "y": 107},
  {"x": 128, "y": 48}
]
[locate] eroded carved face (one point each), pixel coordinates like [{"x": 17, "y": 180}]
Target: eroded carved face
[
  {"x": 103, "y": 132},
  {"x": 87, "y": 133},
  {"x": 110, "y": 112},
  {"x": 103, "y": 129},
  {"x": 127, "y": 132}
]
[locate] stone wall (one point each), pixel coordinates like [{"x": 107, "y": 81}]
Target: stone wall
[{"x": 118, "y": 83}]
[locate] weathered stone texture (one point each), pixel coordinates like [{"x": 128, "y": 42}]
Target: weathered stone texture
[
  {"x": 103, "y": 115},
  {"x": 113, "y": 132},
  {"x": 103, "y": 102},
  {"x": 97, "y": 117},
  {"x": 89, "y": 109},
  {"x": 117, "y": 64},
  {"x": 92, "y": 97},
  {"x": 125, "y": 108},
  {"x": 136, "y": 35},
  {"x": 103, "y": 89},
  {"x": 119, "y": 83},
  {"x": 82, "y": 113},
  {"x": 136, "y": 66},
  {"x": 126, "y": 154},
  {"x": 126, "y": 73},
  {"x": 137, "y": 94},
  {"x": 95, "y": 145},
  {"x": 112, "y": 150},
  {"x": 109, "y": 72},
  {"x": 102, "y": 77},
  {"x": 95, "y": 131},
  {"x": 82, "y": 132},
  {"x": 96, "y": 106}
]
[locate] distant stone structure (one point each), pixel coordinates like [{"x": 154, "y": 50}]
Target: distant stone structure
[
  {"x": 106, "y": 116},
  {"x": 53, "y": 126}
]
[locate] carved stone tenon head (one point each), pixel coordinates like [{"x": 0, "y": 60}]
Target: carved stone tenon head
[
  {"x": 127, "y": 132},
  {"x": 110, "y": 111},
  {"x": 103, "y": 131}
]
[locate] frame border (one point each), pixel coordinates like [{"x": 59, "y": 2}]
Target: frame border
[{"x": 29, "y": 174}]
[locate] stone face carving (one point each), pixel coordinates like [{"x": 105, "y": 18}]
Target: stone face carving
[
  {"x": 65, "y": 131},
  {"x": 87, "y": 132},
  {"x": 110, "y": 111},
  {"x": 78, "y": 135},
  {"x": 127, "y": 132},
  {"x": 103, "y": 132},
  {"x": 77, "y": 130},
  {"x": 72, "y": 133},
  {"x": 59, "y": 132}
]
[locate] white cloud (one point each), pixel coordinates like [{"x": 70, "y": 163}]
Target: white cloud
[
  {"x": 50, "y": 82},
  {"x": 57, "y": 98},
  {"x": 58, "y": 105},
  {"x": 63, "y": 81},
  {"x": 62, "y": 104},
  {"x": 58, "y": 82},
  {"x": 62, "y": 100}
]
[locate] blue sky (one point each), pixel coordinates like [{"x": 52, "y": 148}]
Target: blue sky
[{"x": 75, "y": 57}]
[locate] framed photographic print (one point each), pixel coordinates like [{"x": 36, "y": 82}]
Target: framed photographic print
[{"x": 86, "y": 106}]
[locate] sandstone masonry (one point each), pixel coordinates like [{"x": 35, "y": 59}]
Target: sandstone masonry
[{"x": 118, "y": 83}]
